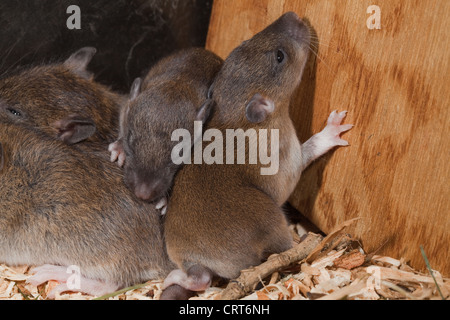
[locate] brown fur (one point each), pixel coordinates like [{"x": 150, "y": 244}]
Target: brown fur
[
  {"x": 228, "y": 217},
  {"x": 62, "y": 206},
  {"x": 173, "y": 95},
  {"x": 63, "y": 101}
]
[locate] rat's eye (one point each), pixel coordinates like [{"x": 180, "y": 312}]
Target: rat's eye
[
  {"x": 280, "y": 56},
  {"x": 14, "y": 112}
]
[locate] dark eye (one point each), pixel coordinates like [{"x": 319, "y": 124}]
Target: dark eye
[
  {"x": 280, "y": 56},
  {"x": 14, "y": 112}
]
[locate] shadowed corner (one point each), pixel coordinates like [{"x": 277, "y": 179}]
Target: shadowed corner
[
  {"x": 294, "y": 216},
  {"x": 142, "y": 33},
  {"x": 302, "y": 112}
]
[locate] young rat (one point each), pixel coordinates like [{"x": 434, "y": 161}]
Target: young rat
[
  {"x": 172, "y": 96},
  {"x": 63, "y": 101},
  {"x": 63, "y": 207},
  {"x": 223, "y": 218}
]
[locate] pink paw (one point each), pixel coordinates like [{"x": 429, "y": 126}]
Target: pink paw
[
  {"x": 117, "y": 153},
  {"x": 334, "y": 128},
  {"x": 161, "y": 205},
  {"x": 189, "y": 282},
  {"x": 70, "y": 279},
  {"x": 328, "y": 138}
]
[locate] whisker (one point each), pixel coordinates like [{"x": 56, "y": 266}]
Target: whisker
[
  {"x": 321, "y": 44},
  {"x": 9, "y": 50},
  {"x": 335, "y": 46},
  {"x": 5, "y": 72},
  {"x": 317, "y": 41},
  {"x": 323, "y": 61},
  {"x": 314, "y": 46}
]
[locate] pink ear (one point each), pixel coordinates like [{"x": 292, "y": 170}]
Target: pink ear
[
  {"x": 74, "y": 129},
  {"x": 205, "y": 110},
  {"x": 79, "y": 60},
  {"x": 135, "y": 88},
  {"x": 259, "y": 108}
]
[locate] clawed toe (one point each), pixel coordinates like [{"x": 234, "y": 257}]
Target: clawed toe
[
  {"x": 70, "y": 279},
  {"x": 117, "y": 153},
  {"x": 334, "y": 128}
]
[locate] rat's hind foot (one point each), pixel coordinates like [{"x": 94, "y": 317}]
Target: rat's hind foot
[
  {"x": 117, "y": 152},
  {"x": 69, "y": 281},
  {"x": 180, "y": 285}
]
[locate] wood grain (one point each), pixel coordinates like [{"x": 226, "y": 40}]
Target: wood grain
[{"x": 395, "y": 83}]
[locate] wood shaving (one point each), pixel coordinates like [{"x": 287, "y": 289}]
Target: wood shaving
[{"x": 331, "y": 271}]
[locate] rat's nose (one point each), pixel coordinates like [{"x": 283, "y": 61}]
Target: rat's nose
[
  {"x": 150, "y": 190},
  {"x": 290, "y": 24},
  {"x": 145, "y": 191},
  {"x": 147, "y": 185}
]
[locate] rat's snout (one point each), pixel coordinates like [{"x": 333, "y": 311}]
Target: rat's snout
[
  {"x": 147, "y": 191},
  {"x": 294, "y": 27},
  {"x": 146, "y": 187}
]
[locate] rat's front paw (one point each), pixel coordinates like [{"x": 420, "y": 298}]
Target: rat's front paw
[
  {"x": 117, "y": 152},
  {"x": 326, "y": 139},
  {"x": 161, "y": 205},
  {"x": 334, "y": 129},
  {"x": 69, "y": 279}
]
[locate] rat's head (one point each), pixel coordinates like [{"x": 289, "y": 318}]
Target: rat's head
[
  {"x": 59, "y": 99},
  {"x": 269, "y": 65},
  {"x": 147, "y": 125}
]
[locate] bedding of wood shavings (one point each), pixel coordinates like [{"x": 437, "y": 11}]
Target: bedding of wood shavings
[{"x": 345, "y": 272}]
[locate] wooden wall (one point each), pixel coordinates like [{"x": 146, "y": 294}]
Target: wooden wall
[{"x": 395, "y": 83}]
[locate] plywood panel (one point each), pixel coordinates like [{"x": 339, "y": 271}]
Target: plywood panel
[{"x": 395, "y": 83}]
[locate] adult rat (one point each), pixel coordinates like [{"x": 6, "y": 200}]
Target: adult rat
[
  {"x": 63, "y": 101},
  {"x": 223, "y": 218},
  {"x": 61, "y": 207},
  {"x": 172, "y": 96}
]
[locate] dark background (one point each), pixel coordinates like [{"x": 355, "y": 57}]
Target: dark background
[{"x": 130, "y": 36}]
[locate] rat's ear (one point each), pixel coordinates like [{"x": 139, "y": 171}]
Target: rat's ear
[
  {"x": 205, "y": 110},
  {"x": 79, "y": 60},
  {"x": 135, "y": 88},
  {"x": 259, "y": 108},
  {"x": 2, "y": 157},
  {"x": 210, "y": 91},
  {"x": 74, "y": 129}
]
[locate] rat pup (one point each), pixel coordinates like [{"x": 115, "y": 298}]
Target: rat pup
[
  {"x": 63, "y": 101},
  {"x": 64, "y": 207},
  {"x": 223, "y": 218},
  {"x": 172, "y": 96}
]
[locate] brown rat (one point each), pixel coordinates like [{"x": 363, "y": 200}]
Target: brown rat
[
  {"x": 63, "y": 101},
  {"x": 223, "y": 218},
  {"x": 172, "y": 96},
  {"x": 61, "y": 206}
]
